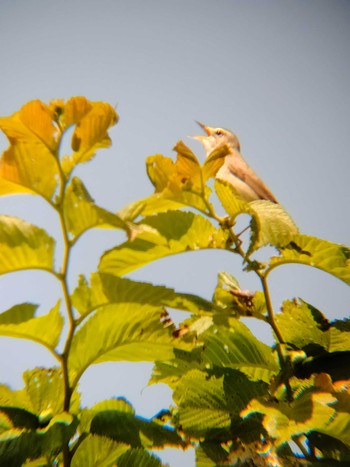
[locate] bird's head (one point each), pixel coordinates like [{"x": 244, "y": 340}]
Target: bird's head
[{"x": 216, "y": 137}]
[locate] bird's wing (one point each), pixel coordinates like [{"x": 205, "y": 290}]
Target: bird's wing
[{"x": 238, "y": 166}]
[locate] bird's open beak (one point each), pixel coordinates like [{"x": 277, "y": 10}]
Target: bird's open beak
[{"x": 204, "y": 127}]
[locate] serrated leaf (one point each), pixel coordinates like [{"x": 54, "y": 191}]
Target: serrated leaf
[
  {"x": 106, "y": 288},
  {"x": 29, "y": 168},
  {"x": 214, "y": 161},
  {"x": 120, "y": 404},
  {"x": 45, "y": 330},
  {"x": 321, "y": 254},
  {"x": 119, "y": 332},
  {"x": 71, "y": 112},
  {"x": 33, "y": 122},
  {"x": 175, "y": 232},
  {"x": 81, "y": 213},
  {"x": 90, "y": 134},
  {"x": 237, "y": 348},
  {"x": 202, "y": 403},
  {"x": 18, "y": 445},
  {"x": 98, "y": 451},
  {"x": 138, "y": 457},
  {"x": 170, "y": 372},
  {"x": 271, "y": 225},
  {"x": 20, "y": 418},
  {"x": 24, "y": 246},
  {"x": 339, "y": 336},
  {"x": 30, "y": 164},
  {"x": 210, "y": 454},
  {"x": 311, "y": 411},
  {"x": 299, "y": 327},
  {"x": 229, "y": 199},
  {"x": 187, "y": 163},
  {"x": 136, "y": 431},
  {"x": 45, "y": 390}
]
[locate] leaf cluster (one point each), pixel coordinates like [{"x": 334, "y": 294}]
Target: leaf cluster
[{"x": 237, "y": 400}]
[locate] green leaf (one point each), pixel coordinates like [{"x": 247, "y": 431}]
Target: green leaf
[
  {"x": 311, "y": 411},
  {"x": 321, "y": 254},
  {"x": 20, "y": 418},
  {"x": 170, "y": 372},
  {"x": 90, "y": 134},
  {"x": 228, "y": 297},
  {"x": 16, "y": 446},
  {"x": 45, "y": 330},
  {"x": 119, "y": 332},
  {"x": 300, "y": 326},
  {"x": 339, "y": 336},
  {"x": 229, "y": 199},
  {"x": 87, "y": 415},
  {"x": 173, "y": 232},
  {"x": 271, "y": 225},
  {"x": 235, "y": 347},
  {"x": 202, "y": 403},
  {"x": 45, "y": 391},
  {"x": 24, "y": 246},
  {"x": 177, "y": 184},
  {"x": 18, "y": 313},
  {"x": 138, "y": 457},
  {"x": 82, "y": 214},
  {"x": 106, "y": 289},
  {"x": 137, "y": 431},
  {"x": 98, "y": 451}
]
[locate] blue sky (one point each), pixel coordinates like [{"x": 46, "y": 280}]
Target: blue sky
[{"x": 276, "y": 73}]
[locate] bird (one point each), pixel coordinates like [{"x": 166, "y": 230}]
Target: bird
[{"x": 235, "y": 169}]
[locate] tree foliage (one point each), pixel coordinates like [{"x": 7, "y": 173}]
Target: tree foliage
[{"x": 237, "y": 400}]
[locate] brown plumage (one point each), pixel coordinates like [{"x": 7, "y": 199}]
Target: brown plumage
[{"x": 235, "y": 170}]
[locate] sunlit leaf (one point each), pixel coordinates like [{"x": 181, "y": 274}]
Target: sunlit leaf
[
  {"x": 139, "y": 457},
  {"x": 45, "y": 390},
  {"x": 311, "y": 411},
  {"x": 17, "y": 445},
  {"x": 137, "y": 431},
  {"x": 10, "y": 188},
  {"x": 98, "y": 451},
  {"x": 214, "y": 161},
  {"x": 45, "y": 330},
  {"x": 339, "y": 336},
  {"x": 29, "y": 167},
  {"x": 271, "y": 225},
  {"x": 321, "y": 254},
  {"x": 237, "y": 348},
  {"x": 176, "y": 232},
  {"x": 30, "y": 162},
  {"x": 90, "y": 134},
  {"x": 87, "y": 415},
  {"x": 81, "y": 213},
  {"x": 18, "y": 313},
  {"x": 121, "y": 332},
  {"x": 32, "y": 123},
  {"x": 70, "y": 112},
  {"x": 170, "y": 372},
  {"x": 299, "y": 325},
  {"x": 24, "y": 246},
  {"x": 202, "y": 403},
  {"x": 106, "y": 288},
  {"x": 232, "y": 204}
]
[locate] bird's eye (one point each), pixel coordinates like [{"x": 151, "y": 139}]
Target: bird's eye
[{"x": 219, "y": 132}]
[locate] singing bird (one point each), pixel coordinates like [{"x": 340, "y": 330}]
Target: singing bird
[{"x": 234, "y": 170}]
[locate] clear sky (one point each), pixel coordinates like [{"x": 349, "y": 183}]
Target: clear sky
[{"x": 277, "y": 73}]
